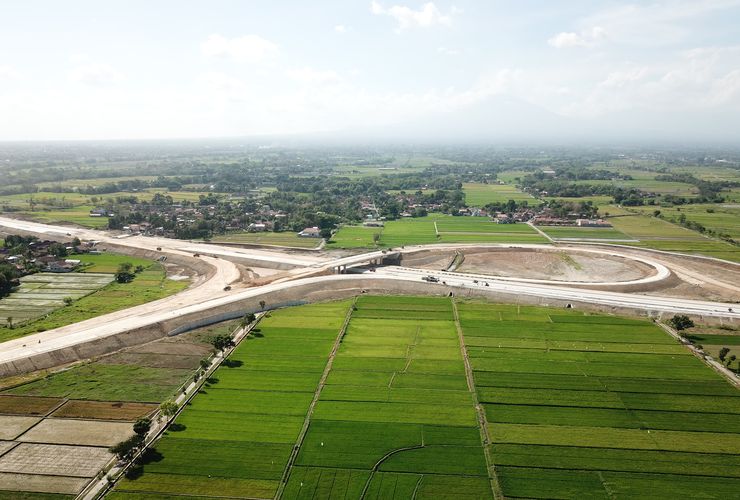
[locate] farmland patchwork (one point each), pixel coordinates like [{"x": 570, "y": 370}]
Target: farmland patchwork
[{"x": 426, "y": 398}]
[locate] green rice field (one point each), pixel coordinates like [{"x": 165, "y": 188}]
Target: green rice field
[
  {"x": 436, "y": 228},
  {"x": 551, "y": 404},
  {"x": 479, "y": 195}
]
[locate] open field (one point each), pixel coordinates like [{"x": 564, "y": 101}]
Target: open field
[
  {"x": 659, "y": 234},
  {"x": 478, "y": 195},
  {"x": 396, "y": 414},
  {"x": 397, "y": 386},
  {"x": 589, "y": 405},
  {"x": 575, "y": 405},
  {"x": 354, "y": 237},
  {"x": 583, "y": 233},
  {"x": 724, "y": 219},
  {"x": 436, "y": 228},
  {"x": 286, "y": 239},
  {"x": 42, "y": 308},
  {"x": 236, "y": 437},
  {"x": 59, "y": 443},
  {"x": 41, "y": 293}
]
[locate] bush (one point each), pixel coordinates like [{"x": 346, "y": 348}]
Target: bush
[{"x": 681, "y": 322}]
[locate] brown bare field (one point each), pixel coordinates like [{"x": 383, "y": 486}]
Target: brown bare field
[
  {"x": 153, "y": 360},
  {"x": 41, "y": 484},
  {"x": 555, "y": 265},
  {"x": 78, "y": 432},
  {"x": 13, "y": 426},
  {"x": 55, "y": 460},
  {"x": 27, "y": 405},
  {"x": 5, "y": 446},
  {"x": 104, "y": 410}
]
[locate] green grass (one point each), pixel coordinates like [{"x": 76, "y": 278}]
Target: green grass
[
  {"x": 354, "y": 237},
  {"x": 724, "y": 219},
  {"x": 108, "y": 382},
  {"x": 151, "y": 284},
  {"x": 107, "y": 262},
  {"x": 479, "y": 195}
]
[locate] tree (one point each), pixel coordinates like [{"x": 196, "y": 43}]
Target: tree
[
  {"x": 168, "y": 408},
  {"x": 247, "y": 319},
  {"x": 205, "y": 363},
  {"x": 126, "y": 448},
  {"x": 681, "y": 322},
  {"x": 262, "y": 304},
  {"x": 731, "y": 360},
  {"x": 9, "y": 319},
  {"x": 124, "y": 274},
  {"x": 325, "y": 233},
  {"x": 376, "y": 238},
  {"x": 58, "y": 250},
  {"x": 142, "y": 426},
  {"x": 222, "y": 342},
  {"x": 723, "y": 353},
  {"x": 76, "y": 242}
]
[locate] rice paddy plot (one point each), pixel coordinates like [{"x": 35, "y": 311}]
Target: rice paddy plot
[
  {"x": 238, "y": 433},
  {"x": 410, "y": 433},
  {"x": 479, "y": 195},
  {"x": 42, "y": 293},
  {"x": 587, "y": 406},
  {"x": 437, "y": 228}
]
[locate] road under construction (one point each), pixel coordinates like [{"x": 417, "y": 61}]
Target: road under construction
[{"x": 222, "y": 290}]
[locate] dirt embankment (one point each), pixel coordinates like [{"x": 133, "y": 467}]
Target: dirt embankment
[{"x": 572, "y": 266}]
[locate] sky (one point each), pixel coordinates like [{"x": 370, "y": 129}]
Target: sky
[{"x": 664, "y": 69}]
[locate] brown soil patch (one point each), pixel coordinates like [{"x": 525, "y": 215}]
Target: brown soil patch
[
  {"x": 554, "y": 265},
  {"x": 78, "y": 432},
  {"x": 172, "y": 348},
  {"x": 104, "y": 410},
  {"x": 6, "y": 446},
  {"x": 53, "y": 459},
  {"x": 12, "y": 427},
  {"x": 41, "y": 484},
  {"x": 27, "y": 405},
  {"x": 153, "y": 360}
]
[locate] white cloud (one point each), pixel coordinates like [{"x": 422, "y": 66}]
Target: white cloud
[
  {"x": 659, "y": 22},
  {"x": 586, "y": 38},
  {"x": 427, "y": 16},
  {"x": 340, "y": 28},
  {"x": 95, "y": 74},
  {"x": 9, "y": 73},
  {"x": 313, "y": 76},
  {"x": 448, "y": 51},
  {"x": 247, "y": 48}
]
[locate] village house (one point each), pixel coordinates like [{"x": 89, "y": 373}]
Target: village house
[{"x": 310, "y": 232}]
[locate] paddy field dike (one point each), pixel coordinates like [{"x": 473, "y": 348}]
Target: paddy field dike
[{"x": 430, "y": 397}]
